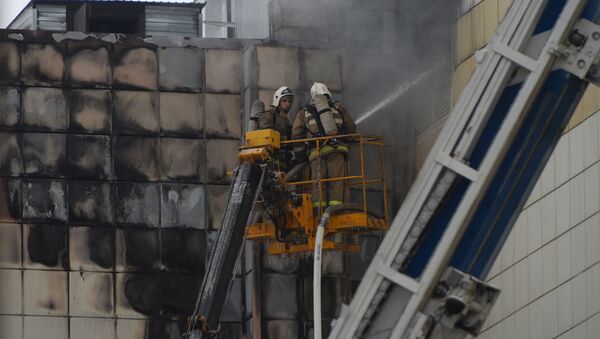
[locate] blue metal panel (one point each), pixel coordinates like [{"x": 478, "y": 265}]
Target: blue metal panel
[{"x": 519, "y": 169}]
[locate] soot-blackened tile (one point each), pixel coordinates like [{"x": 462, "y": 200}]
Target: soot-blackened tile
[
  {"x": 44, "y": 154},
  {"x": 280, "y": 296},
  {"x": 283, "y": 264},
  {"x": 137, "y": 204},
  {"x": 10, "y": 199},
  {"x": 217, "y": 200},
  {"x": 9, "y": 62},
  {"x": 45, "y": 293},
  {"x": 90, "y": 202},
  {"x": 91, "y": 248},
  {"x": 223, "y": 115},
  {"x": 45, "y": 200},
  {"x": 136, "y": 112},
  {"x": 231, "y": 331},
  {"x": 42, "y": 64},
  {"x": 137, "y": 250},
  {"x": 183, "y": 206},
  {"x": 135, "y": 67},
  {"x": 90, "y": 111},
  {"x": 183, "y": 251},
  {"x": 44, "y": 109},
  {"x": 221, "y": 158},
  {"x": 223, "y": 71},
  {"x": 89, "y": 64},
  {"x": 138, "y": 296},
  {"x": 335, "y": 290},
  {"x": 179, "y": 294},
  {"x": 90, "y": 294},
  {"x": 180, "y": 68},
  {"x": 181, "y": 113},
  {"x": 10, "y": 107},
  {"x": 233, "y": 310},
  {"x": 136, "y": 158},
  {"x": 45, "y": 246},
  {"x": 90, "y": 156},
  {"x": 152, "y": 328},
  {"x": 10, "y": 245},
  {"x": 182, "y": 159},
  {"x": 10, "y": 154},
  {"x": 275, "y": 329}
]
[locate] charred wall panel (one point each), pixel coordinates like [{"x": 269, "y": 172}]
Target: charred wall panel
[{"x": 103, "y": 181}]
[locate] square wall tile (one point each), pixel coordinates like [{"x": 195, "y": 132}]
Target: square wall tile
[
  {"x": 223, "y": 115},
  {"x": 45, "y": 154},
  {"x": 179, "y": 293},
  {"x": 321, "y": 65},
  {"x": 131, "y": 329},
  {"x": 137, "y": 204},
  {"x": 10, "y": 245},
  {"x": 218, "y": 195},
  {"x": 181, "y": 113},
  {"x": 44, "y": 109},
  {"x": 273, "y": 329},
  {"x": 277, "y": 66},
  {"x": 89, "y": 64},
  {"x": 46, "y": 327},
  {"x": 221, "y": 158},
  {"x": 10, "y": 110},
  {"x": 42, "y": 64},
  {"x": 11, "y": 326},
  {"x": 136, "y": 158},
  {"x": 135, "y": 67},
  {"x": 91, "y": 294},
  {"x": 183, "y": 251},
  {"x": 45, "y": 246},
  {"x": 137, "y": 250},
  {"x": 45, "y": 293},
  {"x": 136, "y": 112},
  {"x": 92, "y": 328},
  {"x": 90, "y": 156},
  {"x": 183, "y": 205},
  {"x": 9, "y": 62},
  {"x": 223, "y": 71},
  {"x": 91, "y": 248},
  {"x": 10, "y": 155},
  {"x": 280, "y": 297},
  {"x": 180, "y": 68},
  {"x": 11, "y": 292},
  {"x": 90, "y": 111},
  {"x": 10, "y": 201},
  {"x": 182, "y": 159},
  {"x": 90, "y": 202},
  {"x": 138, "y": 296},
  {"x": 591, "y": 191}
]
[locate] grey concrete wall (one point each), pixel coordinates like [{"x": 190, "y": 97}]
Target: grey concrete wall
[{"x": 113, "y": 161}]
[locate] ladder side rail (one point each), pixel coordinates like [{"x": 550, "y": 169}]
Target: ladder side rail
[{"x": 467, "y": 207}]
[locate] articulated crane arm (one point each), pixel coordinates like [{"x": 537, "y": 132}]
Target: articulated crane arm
[{"x": 426, "y": 280}]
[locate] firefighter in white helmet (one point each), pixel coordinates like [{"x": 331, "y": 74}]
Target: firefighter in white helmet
[
  {"x": 323, "y": 117},
  {"x": 275, "y": 117}
]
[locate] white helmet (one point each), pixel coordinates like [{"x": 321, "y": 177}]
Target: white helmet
[
  {"x": 280, "y": 93},
  {"x": 319, "y": 88}
]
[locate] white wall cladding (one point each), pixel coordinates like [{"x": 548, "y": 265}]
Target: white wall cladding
[
  {"x": 51, "y": 17},
  {"x": 549, "y": 268}
]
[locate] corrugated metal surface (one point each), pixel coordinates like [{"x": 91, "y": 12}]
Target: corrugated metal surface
[
  {"x": 51, "y": 17},
  {"x": 252, "y": 19},
  {"x": 165, "y": 20}
]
